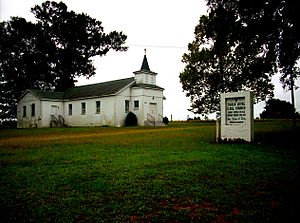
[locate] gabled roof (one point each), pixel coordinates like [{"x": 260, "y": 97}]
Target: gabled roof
[
  {"x": 98, "y": 90},
  {"x": 47, "y": 94},
  {"x": 85, "y": 91}
]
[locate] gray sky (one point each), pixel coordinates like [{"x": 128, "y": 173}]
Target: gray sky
[{"x": 164, "y": 27}]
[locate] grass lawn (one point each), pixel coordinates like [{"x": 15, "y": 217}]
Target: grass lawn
[{"x": 166, "y": 174}]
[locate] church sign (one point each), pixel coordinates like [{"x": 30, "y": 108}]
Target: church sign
[
  {"x": 237, "y": 116},
  {"x": 235, "y": 111}
]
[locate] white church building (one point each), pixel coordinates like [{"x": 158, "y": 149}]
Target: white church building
[{"x": 100, "y": 104}]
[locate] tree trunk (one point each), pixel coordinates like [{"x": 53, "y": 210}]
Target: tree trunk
[{"x": 293, "y": 99}]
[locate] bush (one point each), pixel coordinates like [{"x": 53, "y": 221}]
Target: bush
[
  {"x": 131, "y": 119},
  {"x": 8, "y": 124},
  {"x": 165, "y": 120}
]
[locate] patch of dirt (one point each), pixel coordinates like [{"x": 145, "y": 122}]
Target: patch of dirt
[{"x": 188, "y": 212}]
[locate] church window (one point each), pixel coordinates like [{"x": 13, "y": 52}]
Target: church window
[
  {"x": 126, "y": 106},
  {"x": 136, "y": 105},
  {"x": 70, "y": 109},
  {"x": 83, "y": 108},
  {"x": 24, "y": 111},
  {"x": 98, "y": 107},
  {"x": 33, "y": 110}
]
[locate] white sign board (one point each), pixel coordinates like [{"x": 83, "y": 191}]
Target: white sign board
[
  {"x": 237, "y": 116},
  {"x": 235, "y": 111}
]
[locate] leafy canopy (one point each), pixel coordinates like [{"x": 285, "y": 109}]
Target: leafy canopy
[
  {"x": 276, "y": 108},
  {"x": 50, "y": 53},
  {"x": 240, "y": 45}
]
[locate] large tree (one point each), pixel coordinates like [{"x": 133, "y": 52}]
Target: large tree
[
  {"x": 276, "y": 108},
  {"x": 23, "y": 62},
  {"x": 50, "y": 53},
  {"x": 240, "y": 45}
]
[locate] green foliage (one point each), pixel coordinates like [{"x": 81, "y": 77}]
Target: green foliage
[
  {"x": 131, "y": 119},
  {"x": 51, "y": 53},
  {"x": 276, "y": 108},
  {"x": 23, "y": 62},
  {"x": 8, "y": 124},
  {"x": 240, "y": 45},
  {"x": 148, "y": 175}
]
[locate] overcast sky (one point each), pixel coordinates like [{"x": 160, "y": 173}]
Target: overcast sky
[{"x": 164, "y": 27}]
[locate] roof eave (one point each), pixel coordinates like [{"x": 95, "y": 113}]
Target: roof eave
[
  {"x": 145, "y": 72},
  {"x": 90, "y": 97},
  {"x": 52, "y": 99},
  {"x": 150, "y": 87}
]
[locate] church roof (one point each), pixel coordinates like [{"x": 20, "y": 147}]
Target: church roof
[
  {"x": 98, "y": 90},
  {"x": 47, "y": 94},
  {"x": 149, "y": 86},
  {"x": 86, "y": 91}
]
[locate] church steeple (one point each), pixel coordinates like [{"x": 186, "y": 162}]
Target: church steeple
[
  {"x": 145, "y": 75},
  {"x": 145, "y": 65}
]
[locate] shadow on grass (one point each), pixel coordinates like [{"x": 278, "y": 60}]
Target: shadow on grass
[{"x": 277, "y": 133}]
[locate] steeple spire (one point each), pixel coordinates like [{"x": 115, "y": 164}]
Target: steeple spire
[
  {"x": 145, "y": 65},
  {"x": 145, "y": 75}
]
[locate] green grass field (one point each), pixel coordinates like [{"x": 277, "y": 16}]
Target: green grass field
[{"x": 167, "y": 174}]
